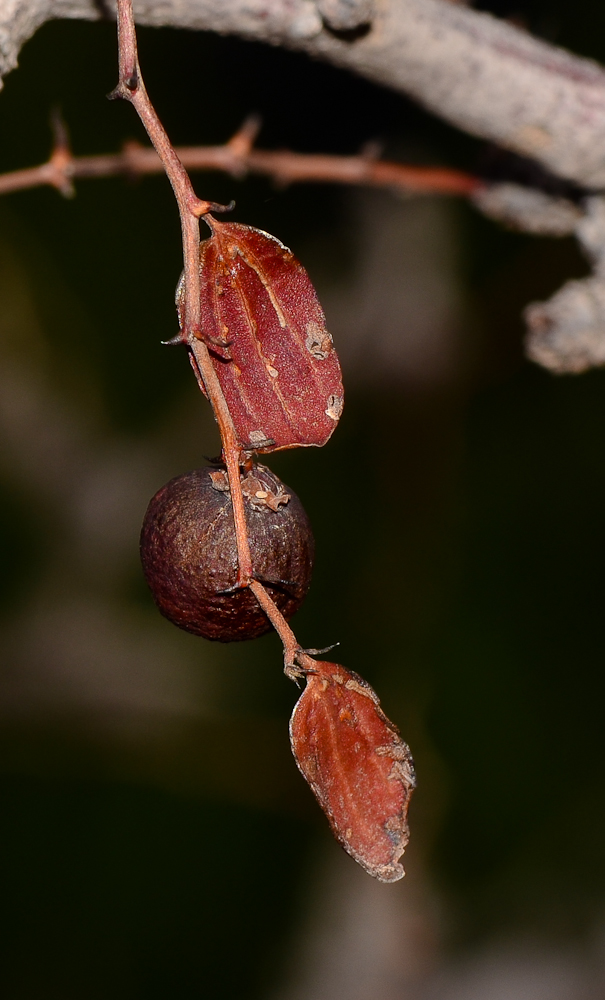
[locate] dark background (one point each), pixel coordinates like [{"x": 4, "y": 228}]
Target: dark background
[{"x": 150, "y": 849}]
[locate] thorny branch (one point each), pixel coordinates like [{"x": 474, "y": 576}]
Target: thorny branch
[
  {"x": 566, "y": 335},
  {"x": 483, "y": 75},
  {"x": 191, "y": 208},
  {"x": 479, "y": 73},
  {"x": 297, "y": 661},
  {"x": 238, "y": 158}
]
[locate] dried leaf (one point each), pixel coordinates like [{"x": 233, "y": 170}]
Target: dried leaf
[
  {"x": 358, "y": 766},
  {"x": 267, "y": 335}
]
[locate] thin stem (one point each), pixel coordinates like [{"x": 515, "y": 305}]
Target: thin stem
[
  {"x": 289, "y": 640},
  {"x": 191, "y": 209},
  {"x": 231, "y": 451},
  {"x": 283, "y": 166},
  {"x": 132, "y": 88},
  {"x": 297, "y": 661}
]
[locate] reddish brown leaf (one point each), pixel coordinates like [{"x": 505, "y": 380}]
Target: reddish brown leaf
[
  {"x": 267, "y": 335},
  {"x": 358, "y": 766}
]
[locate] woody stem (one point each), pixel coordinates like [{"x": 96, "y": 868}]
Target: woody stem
[
  {"x": 191, "y": 208},
  {"x": 290, "y": 643},
  {"x": 231, "y": 453}
]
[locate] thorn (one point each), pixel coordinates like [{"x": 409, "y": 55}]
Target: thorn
[
  {"x": 59, "y": 129},
  {"x": 61, "y": 158},
  {"x": 238, "y": 585},
  {"x": 371, "y": 150},
  {"x": 215, "y": 342},
  {"x": 294, "y": 673},
  {"x": 318, "y": 652},
  {"x": 242, "y": 142},
  {"x": 213, "y": 206},
  {"x": 248, "y": 132},
  {"x": 174, "y": 341},
  {"x": 67, "y": 189}
]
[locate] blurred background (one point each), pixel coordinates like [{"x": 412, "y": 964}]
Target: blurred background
[{"x": 156, "y": 839}]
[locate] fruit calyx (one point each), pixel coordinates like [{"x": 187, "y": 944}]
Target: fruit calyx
[{"x": 260, "y": 488}]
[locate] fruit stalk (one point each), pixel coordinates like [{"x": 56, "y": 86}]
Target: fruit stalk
[{"x": 191, "y": 208}]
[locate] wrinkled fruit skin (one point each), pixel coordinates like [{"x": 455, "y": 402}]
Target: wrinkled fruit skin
[{"x": 189, "y": 554}]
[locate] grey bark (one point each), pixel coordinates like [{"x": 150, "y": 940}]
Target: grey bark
[
  {"x": 485, "y": 76},
  {"x": 481, "y": 74},
  {"x": 567, "y": 333}
]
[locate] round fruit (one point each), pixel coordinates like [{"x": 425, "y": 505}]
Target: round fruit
[{"x": 189, "y": 553}]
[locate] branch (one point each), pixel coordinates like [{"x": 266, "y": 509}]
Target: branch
[
  {"x": 483, "y": 75},
  {"x": 528, "y": 209},
  {"x": 191, "y": 208},
  {"x": 566, "y": 334},
  {"x": 297, "y": 661},
  {"x": 238, "y": 158}
]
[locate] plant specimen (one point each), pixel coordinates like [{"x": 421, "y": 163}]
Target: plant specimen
[
  {"x": 189, "y": 552},
  {"x": 228, "y": 550}
]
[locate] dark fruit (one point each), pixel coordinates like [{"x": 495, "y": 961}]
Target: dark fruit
[{"x": 189, "y": 553}]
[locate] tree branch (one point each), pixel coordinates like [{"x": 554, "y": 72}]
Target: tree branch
[
  {"x": 191, "y": 208},
  {"x": 131, "y": 87},
  {"x": 483, "y": 75},
  {"x": 238, "y": 158}
]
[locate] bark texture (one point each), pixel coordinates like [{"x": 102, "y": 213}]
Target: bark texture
[{"x": 481, "y": 74}]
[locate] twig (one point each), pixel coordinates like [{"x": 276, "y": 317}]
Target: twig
[
  {"x": 296, "y": 660},
  {"x": 191, "y": 208},
  {"x": 284, "y": 166},
  {"x": 289, "y": 640},
  {"x": 474, "y": 70}
]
